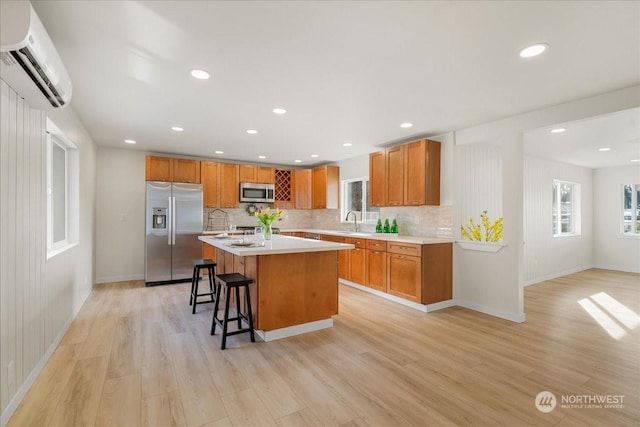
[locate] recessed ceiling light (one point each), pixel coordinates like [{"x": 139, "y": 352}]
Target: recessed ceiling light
[
  {"x": 279, "y": 110},
  {"x": 177, "y": 128},
  {"x": 533, "y": 50},
  {"x": 406, "y": 125},
  {"x": 262, "y": 157},
  {"x": 347, "y": 144},
  {"x": 558, "y": 130},
  {"x": 314, "y": 155},
  {"x": 300, "y": 161},
  {"x": 200, "y": 74},
  {"x": 219, "y": 152},
  {"x": 635, "y": 160},
  {"x": 252, "y": 131},
  {"x": 129, "y": 141},
  {"x": 604, "y": 149}
]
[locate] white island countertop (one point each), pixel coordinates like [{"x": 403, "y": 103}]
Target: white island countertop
[{"x": 277, "y": 245}]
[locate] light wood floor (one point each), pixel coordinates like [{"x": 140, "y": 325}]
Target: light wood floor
[{"x": 136, "y": 356}]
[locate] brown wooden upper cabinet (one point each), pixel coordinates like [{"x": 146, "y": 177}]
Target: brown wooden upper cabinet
[
  {"x": 172, "y": 170},
  {"x": 326, "y": 187},
  {"x": 284, "y": 189},
  {"x": 259, "y": 174},
  {"x": 229, "y": 195},
  {"x": 378, "y": 178},
  {"x": 406, "y": 175},
  {"x": 302, "y": 188},
  {"x": 209, "y": 174}
]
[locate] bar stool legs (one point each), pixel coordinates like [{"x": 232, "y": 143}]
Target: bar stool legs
[
  {"x": 198, "y": 265},
  {"x": 232, "y": 281}
]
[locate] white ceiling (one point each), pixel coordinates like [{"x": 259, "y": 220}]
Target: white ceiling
[{"x": 347, "y": 72}]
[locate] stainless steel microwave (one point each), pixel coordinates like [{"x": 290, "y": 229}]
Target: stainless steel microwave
[{"x": 261, "y": 193}]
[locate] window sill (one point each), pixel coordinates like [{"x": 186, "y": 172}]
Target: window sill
[
  {"x": 471, "y": 245},
  {"x": 568, "y": 235},
  {"x": 629, "y": 236},
  {"x": 58, "y": 251}
]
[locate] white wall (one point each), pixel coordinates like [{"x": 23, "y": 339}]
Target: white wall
[
  {"x": 545, "y": 256},
  {"x": 120, "y": 215},
  {"x": 612, "y": 250},
  {"x": 38, "y": 297}
]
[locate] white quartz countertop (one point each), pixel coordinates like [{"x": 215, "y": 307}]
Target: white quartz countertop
[
  {"x": 402, "y": 238},
  {"x": 277, "y": 245}
]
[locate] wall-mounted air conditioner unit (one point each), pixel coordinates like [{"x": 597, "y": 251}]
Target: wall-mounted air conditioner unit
[{"x": 29, "y": 62}]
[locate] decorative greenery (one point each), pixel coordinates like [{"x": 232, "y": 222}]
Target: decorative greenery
[
  {"x": 251, "y": 209},
  {"x": 492, "y": 231},
  {"x": 266, "y": 216}
]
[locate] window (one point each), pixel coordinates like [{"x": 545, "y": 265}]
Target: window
[
  {"x": 566, "y": 208},
  {"x": 62, "y": 191},
  {"x": 355, "y": 197},
  {"x": 631, "y": 209}
]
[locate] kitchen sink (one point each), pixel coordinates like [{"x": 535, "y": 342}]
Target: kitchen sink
[{"x": 352, "y": 233}]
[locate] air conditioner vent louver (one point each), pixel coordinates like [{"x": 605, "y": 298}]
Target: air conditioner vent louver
[{"x": 38, "y": 76}]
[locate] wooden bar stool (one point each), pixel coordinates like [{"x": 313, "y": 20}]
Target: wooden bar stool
[
  {"x": 232, "y": 281},
  {"x": 201, "y": 264}
]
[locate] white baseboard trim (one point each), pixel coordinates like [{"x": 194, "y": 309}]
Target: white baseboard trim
[
  {"x": 425, "y": 308},
  {"x": 110, "y": 279},
  {"x": 618, "y": 268},
  {"x": 24, "y": 388},
  {"x": 291, "y": 331},
  {"x": 556, "y": 275},
  {"x": 513, "y": 317}
]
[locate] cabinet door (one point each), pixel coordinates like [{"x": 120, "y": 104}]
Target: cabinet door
[
  {"x": 229, "y": 195},
  {"x": 326, "y": 187},
  {"x": 343, "y": 256},
  {"x": 209, "y": 177},
  {"x": 358, "y": 265},
  {"x": 377, "y": 270},
  {"x": 432, "y": 189},
  {"x": 415, "y": 173},
  {"x": 395, "y": 176},
  {"x": 186, "y": 171},
  {"x": 266, "y": 175},
  {"x": 248, "y": 173},
  {"x": 438, "y": 270},
  {"x": 404, "y": 276},
  {"x": 378, "y": 179},
  {"x": 303, "y": 189},
  {"x": 158, "y": 168}
]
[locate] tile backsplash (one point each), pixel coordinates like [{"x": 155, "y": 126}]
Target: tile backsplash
[{"x": 425, "y": 221}]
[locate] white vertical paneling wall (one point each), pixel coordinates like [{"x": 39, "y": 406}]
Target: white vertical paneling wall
[
  {"x": 38, "y": 297},
  {"x": 479, "y": 178},
  {"x": 546, "y": 256}
]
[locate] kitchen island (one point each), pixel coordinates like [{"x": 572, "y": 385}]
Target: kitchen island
[{"x": 295, "y": 288}]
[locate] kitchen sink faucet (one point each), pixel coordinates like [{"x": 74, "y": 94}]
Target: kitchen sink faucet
[{"x": 355, "y": 220}]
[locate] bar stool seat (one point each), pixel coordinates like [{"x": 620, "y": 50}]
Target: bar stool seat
[
  {"x": 198, "y": 265},
  {"x": 232, "y": 281}
]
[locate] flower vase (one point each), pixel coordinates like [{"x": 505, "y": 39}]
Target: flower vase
[{"x": 267, "y": 231}]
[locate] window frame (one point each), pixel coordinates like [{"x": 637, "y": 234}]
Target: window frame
[
  {"x": 575, "y": 209},
  {"x": 343, "y": 200},
  {"x": 71, "y": 199},
  {"x": 635, "y": 222}
]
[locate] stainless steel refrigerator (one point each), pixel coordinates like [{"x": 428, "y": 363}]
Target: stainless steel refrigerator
[{"x": 174, "y": 222}]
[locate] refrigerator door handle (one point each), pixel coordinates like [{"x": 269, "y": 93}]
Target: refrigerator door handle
[
  {"x": 173, "y": 219},
  {"x": 169, "y": 222}
]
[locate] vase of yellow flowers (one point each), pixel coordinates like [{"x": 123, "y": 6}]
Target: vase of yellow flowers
[{"x": 266, "y": 216}]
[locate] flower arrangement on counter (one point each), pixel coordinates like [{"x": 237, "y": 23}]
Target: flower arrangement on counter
[
  {"x": 492, "y": 230},
  {"x": 266, "y": 216}
]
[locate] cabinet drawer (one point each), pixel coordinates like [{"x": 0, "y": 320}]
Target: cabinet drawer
[
  {"x": 377, "y": 245},
  {"x": 404, "y": 249},
  {"x": 358, "y": 243}
]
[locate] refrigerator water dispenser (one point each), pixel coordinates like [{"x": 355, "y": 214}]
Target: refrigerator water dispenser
[{"x": 160, "y": 218}]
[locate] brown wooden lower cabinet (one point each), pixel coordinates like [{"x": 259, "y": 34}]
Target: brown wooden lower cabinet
[
  {"x": 343, "y": 256},
  {"x": 377, "y": 270},
  {"x": 358, "y": 265},
  {"x": 208, "y": 252},
  {"x": 405, "y": 276}
]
